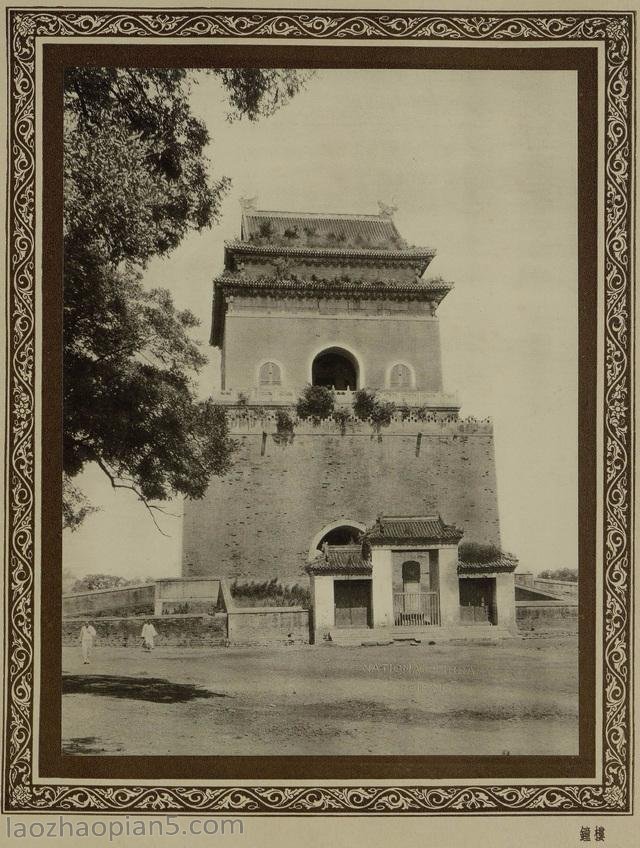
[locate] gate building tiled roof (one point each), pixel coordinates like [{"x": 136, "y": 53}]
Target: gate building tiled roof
[{"x": 412, "y": 528}]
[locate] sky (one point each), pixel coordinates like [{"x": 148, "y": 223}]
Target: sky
[{"x": 481, "y": 165}]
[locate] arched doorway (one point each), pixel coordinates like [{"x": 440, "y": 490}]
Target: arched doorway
[
  {"x": 335, "y": 368},
  {"x": 344, "y": 531}
]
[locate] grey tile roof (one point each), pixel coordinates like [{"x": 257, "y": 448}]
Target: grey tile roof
[
  {"x": 340, "y": 559},
  {"x": 434, "y": 285},
  {"x": 334, "y": 228},
  {"x": 412, "y": 528},
  {"x": 345, "y": 249},
  {"x": 502, "y": 564}
]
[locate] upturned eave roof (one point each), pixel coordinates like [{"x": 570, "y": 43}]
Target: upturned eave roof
[
  {"x": 500, "y": 565},
  {"x": 424, "y": 254},
  {"x": 340, "y": 559},
  {"x": 412, "y": 529},
  {"x": 433, "y": 290}
]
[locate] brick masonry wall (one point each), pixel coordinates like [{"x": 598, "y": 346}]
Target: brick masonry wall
[
  {"x": 180, "y": 631},
  {"x": 541, "y": 615},
  {"x": 260, "y": 519},
  {"x": 252, "y": 626}
]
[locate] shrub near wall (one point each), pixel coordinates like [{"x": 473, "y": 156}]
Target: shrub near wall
[{"x": 176, "y": 630}]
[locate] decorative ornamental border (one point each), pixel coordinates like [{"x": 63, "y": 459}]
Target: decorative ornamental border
[{"x": 615, "y": 32}]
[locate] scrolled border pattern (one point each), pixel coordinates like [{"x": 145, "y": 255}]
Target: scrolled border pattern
[{"x": 615, "y": 32}]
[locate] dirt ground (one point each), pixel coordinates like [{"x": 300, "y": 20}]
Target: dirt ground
[{"x": 519, "y": 696}]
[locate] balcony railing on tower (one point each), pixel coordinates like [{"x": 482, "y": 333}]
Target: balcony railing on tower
[{"x": 416, "y": 609}]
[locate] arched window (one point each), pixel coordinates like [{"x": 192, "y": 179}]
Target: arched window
[
  {"x": 269, "y": 374},
  {"x": 411, "y": 574},
  {"x": 335, "y": 368},
  {"x": 400, "y": 377}
]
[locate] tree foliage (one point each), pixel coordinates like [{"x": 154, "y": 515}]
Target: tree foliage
[
  {"x": 92, "y": 582},
  {"x": 136, "y": 181},
  {"x": 570, "y": 575}
]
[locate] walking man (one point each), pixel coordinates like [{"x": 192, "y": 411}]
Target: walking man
[
  {"x": 87, "y": 635},
  {"x": 149, "y": 632}
]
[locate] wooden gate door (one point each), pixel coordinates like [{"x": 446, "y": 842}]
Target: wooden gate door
[{"x": 352, "y": 603}]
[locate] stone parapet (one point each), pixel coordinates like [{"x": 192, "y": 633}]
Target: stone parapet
[{"x": 250, "y": 420}]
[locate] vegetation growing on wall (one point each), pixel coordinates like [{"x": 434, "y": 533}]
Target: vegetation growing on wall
[
  {"x": 270, "y": 593},
  {"x": 284, "y": 425},
  {"x": 341, "y": 417},
  {"x": 367, "y": 407},
  {"x": 316, "y": 403}
]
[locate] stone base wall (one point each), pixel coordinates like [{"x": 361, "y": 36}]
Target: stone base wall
[{"x": 258, "y": 521}]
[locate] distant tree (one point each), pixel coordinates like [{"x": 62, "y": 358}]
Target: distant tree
[
  {"x": 90, "y": 582},
  {"x": 569, "y": 575},
  {"x": 135, "y": 183}
]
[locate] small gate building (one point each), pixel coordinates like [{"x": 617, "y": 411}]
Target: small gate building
[{"x": 392, "y": 524}]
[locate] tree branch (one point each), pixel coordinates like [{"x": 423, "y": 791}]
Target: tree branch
[{"x": 116, "y": 484}]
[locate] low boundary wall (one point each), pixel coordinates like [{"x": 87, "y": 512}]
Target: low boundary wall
[
  {"x": 539, "y": 615},
  {"x": 173, "y": 630},
  {"x": 257, "y": 625},
  {"x": 136, "y": 600}
]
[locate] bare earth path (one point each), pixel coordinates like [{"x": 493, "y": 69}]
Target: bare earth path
[{"x": 518, "y": 696}]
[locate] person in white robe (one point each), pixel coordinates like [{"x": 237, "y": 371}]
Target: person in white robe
[
  {"x": 87, "y": 635},
  {"x": 149, "y": 632}
]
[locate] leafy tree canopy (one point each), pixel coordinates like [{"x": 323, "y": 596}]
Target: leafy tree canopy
[
  {"x": 136, "y": 181},
  {"x": 91, "y": 582},
  {"x": 570, "y": 575}
]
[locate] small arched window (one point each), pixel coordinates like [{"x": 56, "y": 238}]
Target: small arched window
[
  {"x": 269, "y": 374},
  {"x": 411, "y": 572},
  {"x": 400, "y": 377}
]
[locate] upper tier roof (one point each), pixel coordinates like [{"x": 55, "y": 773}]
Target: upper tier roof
[
  {"x": 336, "y": 230},
  {"x": 322, "y": 235}
]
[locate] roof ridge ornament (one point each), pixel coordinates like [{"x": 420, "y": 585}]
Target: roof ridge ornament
[
  {"x": 387, "y": 210},
  {"x": 248, "y": 204}
]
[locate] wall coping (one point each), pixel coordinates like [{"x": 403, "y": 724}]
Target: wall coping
[
  {"x": 185, "y": 579},
  {"x": 114, "y": 589},
  {"x": 564, "y": 603}
]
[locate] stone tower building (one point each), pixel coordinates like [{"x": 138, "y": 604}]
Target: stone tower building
[{"x": 339, "y": 301}]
